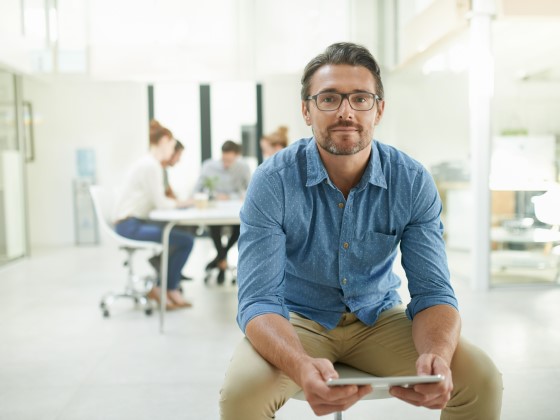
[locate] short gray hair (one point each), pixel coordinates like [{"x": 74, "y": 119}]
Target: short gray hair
[{"x": 342, "y": 53}]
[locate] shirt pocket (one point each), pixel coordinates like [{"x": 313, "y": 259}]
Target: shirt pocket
[{"x": 374, "y": 247}]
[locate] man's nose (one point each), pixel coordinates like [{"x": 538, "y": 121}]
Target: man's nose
[{"x": 345, "y": 110}]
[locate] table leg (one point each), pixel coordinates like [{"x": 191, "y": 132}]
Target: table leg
[{"x": 164, "y": 269}]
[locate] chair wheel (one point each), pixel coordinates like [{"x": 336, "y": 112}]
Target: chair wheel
[
  {"x": 105, "y": 313},
  {"x": 149, "y": 311}
]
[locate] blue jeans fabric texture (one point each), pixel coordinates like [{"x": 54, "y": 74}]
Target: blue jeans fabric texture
[{"x": 180, "y": 243}]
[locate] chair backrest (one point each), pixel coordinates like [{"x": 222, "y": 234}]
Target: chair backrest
[
  {"x": 547, "y": 207},
  {"x": 103, "y": 202}
]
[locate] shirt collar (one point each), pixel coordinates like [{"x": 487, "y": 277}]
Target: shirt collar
[{"x": 316, "y": 172}]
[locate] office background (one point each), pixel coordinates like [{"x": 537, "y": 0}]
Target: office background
[{"x": 75, "y": 76}]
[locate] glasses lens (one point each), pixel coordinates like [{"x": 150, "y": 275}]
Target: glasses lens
[
  {"x": 361, "y": 101},
  {"x": 330, "y": 101}
]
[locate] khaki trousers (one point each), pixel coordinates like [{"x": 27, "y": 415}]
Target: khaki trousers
[{"x": 254, "y": 389}]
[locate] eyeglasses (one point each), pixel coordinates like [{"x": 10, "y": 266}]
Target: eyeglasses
[{"x": 330, "y": 101}]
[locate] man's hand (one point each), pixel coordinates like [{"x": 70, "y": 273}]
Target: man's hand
[
  {"x": 277, "y": 342},
  {"x": 324, "y": 399},
  {"x": 433, "y": 396}
]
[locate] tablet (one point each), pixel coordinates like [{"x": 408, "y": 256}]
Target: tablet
[{"x": 387, "y": 381}]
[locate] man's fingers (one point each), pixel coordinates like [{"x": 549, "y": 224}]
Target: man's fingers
[
  {"x": 344, "y": 397},
  {"x": 435, "y": 400},
  {"x": 364, "y": 390},
  {"x": 326, "y": 369}
]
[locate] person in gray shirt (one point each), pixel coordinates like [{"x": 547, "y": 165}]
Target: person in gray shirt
[{"x": 224, "y": 179}]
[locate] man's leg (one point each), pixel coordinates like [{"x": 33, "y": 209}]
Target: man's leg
[
  {"x": 235, "y": 231},
  {"x": 216, "y": 235},
  {"x": 387, "y": 349},
  {"x": 253, "y": 389}
]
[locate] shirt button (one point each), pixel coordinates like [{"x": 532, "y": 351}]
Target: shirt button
[
  {"x": 344, "y": 280},
  {"x": 346, "y": 245},
  {"x": 340, "y": 205}
]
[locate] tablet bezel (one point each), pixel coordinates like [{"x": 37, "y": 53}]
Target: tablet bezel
[{"x": 387, "y": 381}]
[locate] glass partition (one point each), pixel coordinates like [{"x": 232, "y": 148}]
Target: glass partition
[
  {"x": 12, "y": 210},
  {"x": 523, "y": 236},
  {"x": 525, "y": 211}
]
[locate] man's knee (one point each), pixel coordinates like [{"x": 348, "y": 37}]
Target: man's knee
[
  {"x": 478, "y": 385},
  {"x": 252, "y": 388}
]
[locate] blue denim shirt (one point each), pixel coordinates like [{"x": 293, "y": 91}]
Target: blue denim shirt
[{"x": 305, "y": 248}]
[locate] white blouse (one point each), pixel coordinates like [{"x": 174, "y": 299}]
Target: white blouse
[{"x": 143, "y": 191}]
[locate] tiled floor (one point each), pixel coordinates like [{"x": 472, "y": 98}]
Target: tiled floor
[{"x": 60, "y": 360}]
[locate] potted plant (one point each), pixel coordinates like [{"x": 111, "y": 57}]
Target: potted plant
[{"x": 209, "y": 184}]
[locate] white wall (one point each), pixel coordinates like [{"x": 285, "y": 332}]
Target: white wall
[
  {"x": 427, "y": 116},
  {"x": 532, "y": 105},
  {"x": 13, "y": 47},
  {"x": 282, "y": 106},
  {"x": 110, "y": 118},
  {"x": 177, "y": 106},
  {"x": 233, "y": 104}
]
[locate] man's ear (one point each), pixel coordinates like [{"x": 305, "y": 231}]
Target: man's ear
[
  {"x": 305, "y": 112},
  {"x": 380, "y": 111}
]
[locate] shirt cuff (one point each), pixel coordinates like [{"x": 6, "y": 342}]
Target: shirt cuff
[
  {"x": 418, "y": 304},
  {"x": 256, "y": 309}
]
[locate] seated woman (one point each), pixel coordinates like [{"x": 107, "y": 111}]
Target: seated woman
[
  {"x": 274, "y": 142},
  {"x": 143, "y": 192}
]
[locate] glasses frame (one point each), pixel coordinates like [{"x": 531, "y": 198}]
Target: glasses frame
[{"x": 344, "y": 96}]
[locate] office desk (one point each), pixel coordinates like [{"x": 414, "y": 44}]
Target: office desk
[
  {"x": 522, "y": 259},
  {"x": 538, "y": 235},
  {"x": 217, "y": 213}
]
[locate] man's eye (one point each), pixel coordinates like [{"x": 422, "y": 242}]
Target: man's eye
[{"x": 327, "y": 99}]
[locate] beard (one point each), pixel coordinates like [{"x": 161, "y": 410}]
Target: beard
[{"x": 344, "y": 147}]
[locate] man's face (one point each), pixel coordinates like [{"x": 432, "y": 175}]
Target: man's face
[
  {"x": 229, "y": 158},
  {"x": 344, "y": 131}
]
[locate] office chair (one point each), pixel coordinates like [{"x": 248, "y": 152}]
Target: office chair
[
  {"x": 136, "y": 286},
  {"x": 547, "y": 207},
  {"x": 345, "y": 371}
]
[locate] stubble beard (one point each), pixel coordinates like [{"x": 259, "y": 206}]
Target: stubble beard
[{"x": 350, "y": 148}]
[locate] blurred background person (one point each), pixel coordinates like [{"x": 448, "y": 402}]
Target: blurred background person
[
  {"x": 144, "y": 191},
  {"x": 224, "y": 179},
  {"x": 274, "y": 142},
  {"x": 155, "y": 261},
  {"x": 175, "y": 157}
]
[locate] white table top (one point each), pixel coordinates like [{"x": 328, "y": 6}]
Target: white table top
[
  {"x": 538, "y": 235},
  {"x": 217, "y": 213}
]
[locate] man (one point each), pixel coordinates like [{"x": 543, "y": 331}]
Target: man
[
  {"x": 227, "y": 179},
  {"x": 320, "y": 228}
]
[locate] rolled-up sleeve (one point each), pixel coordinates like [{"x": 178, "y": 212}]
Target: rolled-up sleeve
[
  {"x": 262, "y": 250},
  {"x": 423, "y": 249}
]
